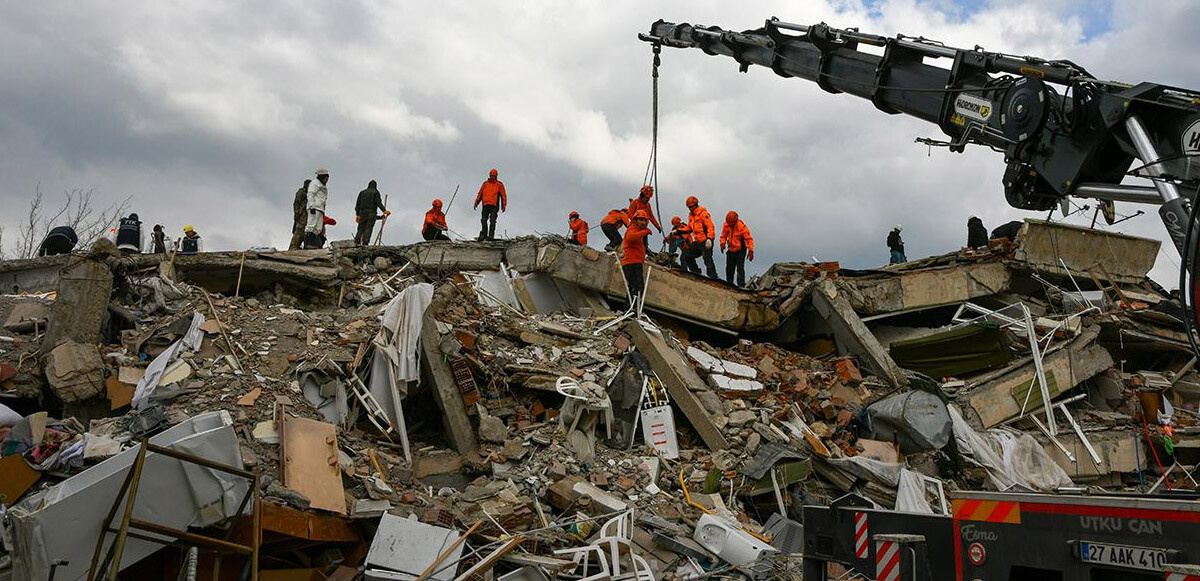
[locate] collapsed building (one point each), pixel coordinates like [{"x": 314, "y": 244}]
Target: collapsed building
[{"x": 495, "y": 410}]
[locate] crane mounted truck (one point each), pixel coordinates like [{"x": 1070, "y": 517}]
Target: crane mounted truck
[
  {"x": 1063, "y": 133},
  {"x": 1079, "y": 142}
]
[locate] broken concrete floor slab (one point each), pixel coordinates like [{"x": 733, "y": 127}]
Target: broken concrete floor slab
[{"x": 1000, "y": 395}]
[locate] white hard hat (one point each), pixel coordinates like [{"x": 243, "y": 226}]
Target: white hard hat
[
  {"x": 898, "y": 227},
  {"x": 322, "y": 172}
]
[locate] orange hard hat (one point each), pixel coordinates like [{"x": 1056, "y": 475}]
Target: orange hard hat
[
  {"x": 676, "y": 220},
  {"x": 641, "y": 215},
  {"x": 692, "y": 201},
  {"x": 493, "y": 172},
  {"x": 647, "y": 191},
  {"x": 437, "y": 203},
  {"x": 731, "y": 217},
  {"x": 573, "y": 214}
]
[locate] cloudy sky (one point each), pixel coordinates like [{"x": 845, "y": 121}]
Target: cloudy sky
[{"x": 213, "y": 113}]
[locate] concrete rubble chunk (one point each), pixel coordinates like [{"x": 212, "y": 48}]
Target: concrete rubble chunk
[
  {"x": 75, "y": 372},
  {"x": 27, "y": 315},
  {"x": 79, "y": 311}
]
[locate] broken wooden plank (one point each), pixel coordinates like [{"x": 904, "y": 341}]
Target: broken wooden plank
[
  {"x": 16, "y": 477},
  {"x": 308, "y": 525},
  {"x": 308, "y": 451},
  {"x": 679, "y": 377}
]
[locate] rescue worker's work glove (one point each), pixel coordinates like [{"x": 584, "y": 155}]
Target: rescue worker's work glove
[
  {"x": 387, "y": 213},
  {"x": 357, "y": 218},
  {"x": 708, "y": 244},
  {"x": 476, "y": 206},
  {"x": 750, "y": 255}
]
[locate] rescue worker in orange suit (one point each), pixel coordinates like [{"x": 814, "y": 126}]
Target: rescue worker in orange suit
[
  {"x": 677, "y": 238},
  {"x": 579, "y": 229},
  {"x": 435, "y": 226},
  {"x": 611, "y": 227},
  {"x": 495, "y": 200},
  {"x": 633, "y": 256},
  {"x": 701, "y": 241},
  {"x": 642, "y": 203},
  {"x": 738, "y": 245}
]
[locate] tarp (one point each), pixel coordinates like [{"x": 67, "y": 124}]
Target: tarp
[
  {"x": 395, "y": 361},
  {"x": 965, "y": 349},
  {"x": 1010, "y": 459},
  {"x": 916, "y": 420}
]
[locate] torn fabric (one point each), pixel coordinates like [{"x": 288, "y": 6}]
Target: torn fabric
[{"x": 149, "y": 382}]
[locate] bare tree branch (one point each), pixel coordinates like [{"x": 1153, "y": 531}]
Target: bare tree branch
[{"x": 76, "y": 211}]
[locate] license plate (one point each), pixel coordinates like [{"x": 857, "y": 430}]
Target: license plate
[{"x": 1146, "y": 558}]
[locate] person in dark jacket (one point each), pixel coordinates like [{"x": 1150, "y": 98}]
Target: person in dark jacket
[
  {"x": 895, "y": 245},
  {"x": 977, "y": 235},
  {"x": 130, "y": 239},
  {"x": 1008, "y": 231},
  {"x": 60, "y": 240},
  {"x": 299, "y": 216},
  {"x": 158, "y": 240},
  {"x": 368, "y": 201}
]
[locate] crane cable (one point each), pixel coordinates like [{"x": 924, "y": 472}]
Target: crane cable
[{"x": 651, "y": 176}]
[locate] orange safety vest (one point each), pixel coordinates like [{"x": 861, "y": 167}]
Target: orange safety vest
[
  {"x": 579, "y": 231},
  {"x": 700, "y": 221},
  {"x": 492, "y": 193},
  {"x": 634, "y": 245}
]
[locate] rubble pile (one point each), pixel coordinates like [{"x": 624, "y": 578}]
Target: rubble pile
[{"x": 491, "y": 410}]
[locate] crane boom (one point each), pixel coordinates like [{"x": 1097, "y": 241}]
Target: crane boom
[{"x": 1079, "y": 139}]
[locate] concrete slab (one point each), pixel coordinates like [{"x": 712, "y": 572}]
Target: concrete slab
[
  {"x": 455, "y": 255},
  {"x": 1118, "y": 452},
  {"x": 81, "y": 308},
  {"x": 992, "y": 396},
  {"x": 680, "y": 379},
  {"x": 32, "y": 275},
  {"x": 445, "y": 390},
  {"x": 1127, "y": 258},
  {"x": 852, "y": 334},
  {"x": 906, "y": 290},
  {"x": 671, "y": 292}
]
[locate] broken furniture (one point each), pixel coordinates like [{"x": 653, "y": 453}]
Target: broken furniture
[{"x": 164, "y": 534}]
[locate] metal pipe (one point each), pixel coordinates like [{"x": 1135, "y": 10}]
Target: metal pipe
[
  {"x": 933, "y": 49},
  {"x": 788, "y": 25},
  {"x": 1118, "y": 193},
  {"x": 1150, "y": 156}
]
